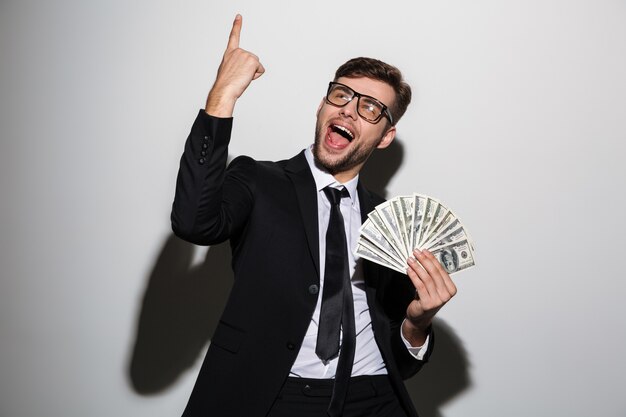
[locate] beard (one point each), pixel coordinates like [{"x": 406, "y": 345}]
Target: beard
[{"x": 356, "y": 155}]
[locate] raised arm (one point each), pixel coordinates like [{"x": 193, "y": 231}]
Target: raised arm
[
  {"x": 237, "y": 70},
  {"x": 212, "y": 203}
]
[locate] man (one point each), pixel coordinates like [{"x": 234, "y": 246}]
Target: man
[{"x": 287, "y": 344}]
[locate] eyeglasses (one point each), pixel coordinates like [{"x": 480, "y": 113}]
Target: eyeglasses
[{"x": 367, "y": 107}]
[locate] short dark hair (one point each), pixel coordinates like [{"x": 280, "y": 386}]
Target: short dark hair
[{"x": 381, "y": 71}]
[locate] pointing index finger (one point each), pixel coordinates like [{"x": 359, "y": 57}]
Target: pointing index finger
[{"x": 233, "y": 39}]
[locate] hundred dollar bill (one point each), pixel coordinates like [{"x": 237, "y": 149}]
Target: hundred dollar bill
[
  {"x": 469, "y": 239},
  {"x": 402, "y": 208},
  {"x": 454, "y": 235},
  {"x": 455, "y": 256},
  {"x": 371, "y": 254},
  {"x": 380, "y": 224},
  {"x": 387, "y": 215},
  {"x": 431, "y": 208},
  {"x": 419, "y": 207},
  {"x": 442, "y": 231},
  {"x": 441, "y": 217},
  {"x": 370, "y": 232}
]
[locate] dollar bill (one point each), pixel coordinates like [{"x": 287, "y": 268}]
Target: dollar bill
[
  {"x": 378, "y": 239},
  {"x": 453, "y": 236},
  {"x": 380, "y": 224},
  {"x": 402, "y": 208},
  {"x": 396, "y": 227},
  {"x": 441, "y": 218},
  {"x": 452, "y": 224},
  {"x": 455, "y": 256},
  {"x": 430, "y": 211},
  {"x": 370, "y": 253},
  {"x": 393, "y": 224},
  {"x": 419, "y": 208}
]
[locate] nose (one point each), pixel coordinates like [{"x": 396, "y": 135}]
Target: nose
[{"x": 350, "y": 109}]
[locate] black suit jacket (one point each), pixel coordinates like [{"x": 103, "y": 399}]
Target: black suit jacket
[{"x": 268, "y": 210}]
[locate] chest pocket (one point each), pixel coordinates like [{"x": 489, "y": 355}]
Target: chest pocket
[{"x": 227, "y": 337}]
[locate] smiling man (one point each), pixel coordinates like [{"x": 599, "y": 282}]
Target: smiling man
[
  {"x": 342, "y": 142},
  {"x": 309, "y": 328}
]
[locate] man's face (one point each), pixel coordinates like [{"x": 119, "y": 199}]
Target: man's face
[{"x": 344, "y": 140}]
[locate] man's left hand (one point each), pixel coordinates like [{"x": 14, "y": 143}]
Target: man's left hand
[{"x": 433, "y": 289}]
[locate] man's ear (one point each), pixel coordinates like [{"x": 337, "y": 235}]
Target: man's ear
[{"x": 389, "y": 136}]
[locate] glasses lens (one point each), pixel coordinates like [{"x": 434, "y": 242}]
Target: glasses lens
[
  {"x": 369, "y": 108},
  {"x": 339, "y": 95}
]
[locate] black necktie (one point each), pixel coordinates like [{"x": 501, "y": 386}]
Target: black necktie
[{"x": 337, "y": 309}]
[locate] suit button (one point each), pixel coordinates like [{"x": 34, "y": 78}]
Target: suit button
[
  {"x": 201, "y": 161},
  {"x": 206, "y": 138},
  {"x": 313, "y": 289},
  {"x": 291, "y": 346},
  {"x": 306, "y": 389}
]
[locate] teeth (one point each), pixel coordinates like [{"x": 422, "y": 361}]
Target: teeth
[{"x": 343, "y": 129}]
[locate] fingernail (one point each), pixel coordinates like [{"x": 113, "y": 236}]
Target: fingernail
[
  {"x": 417, "y": 251},
  {"x": 411, "y": 260}
]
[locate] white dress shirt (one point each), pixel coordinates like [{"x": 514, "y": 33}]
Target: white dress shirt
[{"x": 367, "y": 357}]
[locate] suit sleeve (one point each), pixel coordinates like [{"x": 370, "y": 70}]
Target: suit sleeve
[
  {"x": 408, "y": 365},
  {"x": 211, "y": 202},
  {"x": 397, "y": 295}
]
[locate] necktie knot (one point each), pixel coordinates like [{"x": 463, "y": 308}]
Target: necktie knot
[{"x": 335, "y": 195}]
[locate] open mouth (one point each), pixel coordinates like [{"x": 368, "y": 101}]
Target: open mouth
[{"x": 343, "y": 131}]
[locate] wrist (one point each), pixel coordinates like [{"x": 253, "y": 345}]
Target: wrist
[
  {"x": 415, "y": 334},
  {"x": 220, "y": 105}
]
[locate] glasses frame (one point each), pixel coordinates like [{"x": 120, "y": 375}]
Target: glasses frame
[{"x": 385, "y": 111}]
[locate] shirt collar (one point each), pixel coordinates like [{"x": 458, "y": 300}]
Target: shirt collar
[{"x": 323, "y": 179}]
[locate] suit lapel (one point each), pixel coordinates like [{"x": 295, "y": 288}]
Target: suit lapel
[
  {"x": 298, "y": 171},
  {"x": 370, "y": 271},
  {"x": 366, "y": 201},
  {"x": 372, "y": 274}
]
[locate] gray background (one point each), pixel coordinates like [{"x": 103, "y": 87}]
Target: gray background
[{"x": 517, "y": 124}]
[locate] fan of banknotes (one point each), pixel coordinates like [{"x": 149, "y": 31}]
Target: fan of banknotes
[{"x": 398, "y": 225}]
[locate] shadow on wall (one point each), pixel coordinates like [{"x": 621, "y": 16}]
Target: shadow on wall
[
  {"x": 381, "y": 167},
  {"x": 179, "y": 313},
  {"x": 444, "y": 377},
  {"x": 182, "y": 305}
]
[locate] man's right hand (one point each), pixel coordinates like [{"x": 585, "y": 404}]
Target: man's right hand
[{"x": 237, "y": 70}]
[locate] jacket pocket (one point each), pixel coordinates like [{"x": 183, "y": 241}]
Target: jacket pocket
[{"x": 227, "y": 337}]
